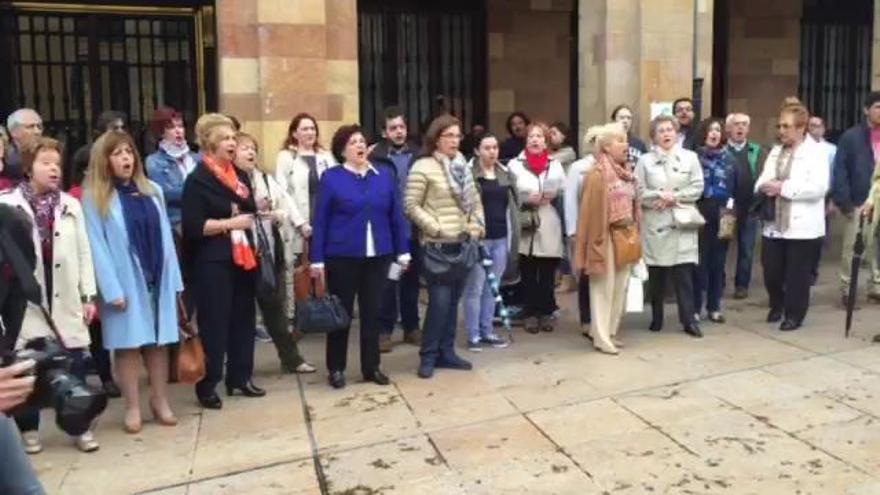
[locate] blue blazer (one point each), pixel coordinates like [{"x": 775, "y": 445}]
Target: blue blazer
[
  {"x": 853, "y": 168},
  {"x": 346, "y": 202},
  {"x": 119, "y": 275}
]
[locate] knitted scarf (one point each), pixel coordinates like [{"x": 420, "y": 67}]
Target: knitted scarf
[
  {"x": 144, "y": 229},
  {"x": 461, "y": 181},
  {"x": 180, "y": 153},
  {"x": 242, "y": 252}
]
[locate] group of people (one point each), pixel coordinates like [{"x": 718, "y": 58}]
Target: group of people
[{"x": 125, "y": 245}]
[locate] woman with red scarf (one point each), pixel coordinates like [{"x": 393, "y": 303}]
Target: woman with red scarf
[
  {"x": 540, "y": 181},
  {"x": 218, "y": 216}
]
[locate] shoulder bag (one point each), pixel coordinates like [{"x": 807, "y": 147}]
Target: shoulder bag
[
  {"x": 687, "y": 217},
  {"x": 449, "y": 262},
  {"x": 190, "y": 354},
  {"x": 626, "y": 243}
]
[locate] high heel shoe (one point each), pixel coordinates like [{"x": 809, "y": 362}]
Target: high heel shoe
[
  {"x": 132, "y": 426},
  {"x": 247, "y": 390},
  {"x": 166, "y": 420}
]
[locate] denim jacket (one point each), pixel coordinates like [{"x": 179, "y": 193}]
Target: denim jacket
[{"x": 163, "y": 170}]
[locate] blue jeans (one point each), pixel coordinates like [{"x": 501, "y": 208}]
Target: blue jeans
[
  {"x": 746, "y": 235},
  {"x": 29, "y": 420},
  {"x": 17, "y": 476},
  {"x": 479, "y": 302},
  {"x": 441, "y": 318},
  {"x": 709, "y": 275},
  {"x": 407, "y": 292}
]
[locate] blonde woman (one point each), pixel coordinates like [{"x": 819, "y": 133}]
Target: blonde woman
[
  {"x": 609, "y": 202},
  {"x": 136, "y": 269},
  {"x": 63, "y": 268},
  {"x": 218, "y": 219}
]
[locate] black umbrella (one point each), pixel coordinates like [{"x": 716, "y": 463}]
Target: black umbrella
[{"x": 858, "y": 251}]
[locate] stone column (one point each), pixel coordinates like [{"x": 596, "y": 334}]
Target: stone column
[
  {"x": 282, "y": 57},
  {"x": 875, "y": 51},
  {"x": 636, "y": 52}
]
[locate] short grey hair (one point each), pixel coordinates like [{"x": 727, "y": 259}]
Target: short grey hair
[
  {"x": 729, "y": 120},
  {"x": 14, "y": 119},
  {"x": 660, "y": 119}
]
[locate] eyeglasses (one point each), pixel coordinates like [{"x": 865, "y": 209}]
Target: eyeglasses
[{"x": 450, "y": 135}]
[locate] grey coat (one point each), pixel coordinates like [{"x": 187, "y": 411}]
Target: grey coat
[
  {"x": 680, "y": 172},
  {"x": 508, "y": 180}
]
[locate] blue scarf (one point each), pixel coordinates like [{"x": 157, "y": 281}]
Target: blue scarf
[{"x": 144, "y": 229}]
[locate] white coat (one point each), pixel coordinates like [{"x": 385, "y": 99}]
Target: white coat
[
  {"x": 73, "y": 277},
  {"x": 806, "y": 187},
  {"x": 292, "y": 173},
  {"x": 546, "y": 242}
]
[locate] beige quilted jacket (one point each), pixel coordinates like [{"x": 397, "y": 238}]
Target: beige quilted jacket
[{"x": 430, "y": 205}]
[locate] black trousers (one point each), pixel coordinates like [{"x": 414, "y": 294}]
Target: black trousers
[
  {"x": 539, "y": 285},
  {"x": 224, "y": 297},
  {"x": 364, "y": 278},
  {"x": 13, "y": 305},
  {"x": 682, "y": 282},
  {"x": 100, "y": 356},
  {"x": 788, "y": 270}
]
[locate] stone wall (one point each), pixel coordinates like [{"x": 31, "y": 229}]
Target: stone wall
[
  {"x": 529, "y": 59},
  {"x": 764, "y": 60},
  {"x": 281, "y": 57},
  {"x": 638, "y": 52}
]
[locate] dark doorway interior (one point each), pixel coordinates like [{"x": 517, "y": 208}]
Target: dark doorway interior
[{"x": 412, "y": 52}]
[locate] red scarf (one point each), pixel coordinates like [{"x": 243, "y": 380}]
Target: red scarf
[
  {"x": 242, "y": 252},
  {"x": 538, "y": 163}
]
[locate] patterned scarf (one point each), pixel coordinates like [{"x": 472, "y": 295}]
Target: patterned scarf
[
  {"x": 43, "y": 206},
  {"x": 783, "y": 171},
  {"x": 242, "y": 252},
  {"x": 461, "y": 180}
]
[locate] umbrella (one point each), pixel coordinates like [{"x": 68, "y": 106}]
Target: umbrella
[
  {"x": 858, "y": 251},
  {"x": 495, "y": 285}
]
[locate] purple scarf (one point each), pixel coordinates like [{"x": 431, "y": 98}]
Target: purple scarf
[{"x": 43, "y": 206}]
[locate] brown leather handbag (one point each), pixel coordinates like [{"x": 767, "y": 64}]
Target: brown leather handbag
[
  {"x": 302, "y": 276},
  {"x": 190, "y": 354},
  {"x": 627, "y": 244}
]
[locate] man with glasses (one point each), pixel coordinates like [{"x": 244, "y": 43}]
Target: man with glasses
[
  {"x": 24, "y": 125},
  {"x": 748, "y": 160}
]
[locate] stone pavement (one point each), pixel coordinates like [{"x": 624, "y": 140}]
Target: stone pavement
[{"x": 746, "y": 410}]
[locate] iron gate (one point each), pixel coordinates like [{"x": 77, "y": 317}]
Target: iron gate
[
  {"x": 411, "y": 53},
  {"x": 835, "y": 68},
  {"x": 71, "y": 64}
]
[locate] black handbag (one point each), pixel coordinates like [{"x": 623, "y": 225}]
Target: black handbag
[
  {"x": 449, "y": 262},
  {"x": 321, "y": 312},
  {"x": 268, "y": 283}
]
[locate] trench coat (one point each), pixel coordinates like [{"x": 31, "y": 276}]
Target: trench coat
[
  {"x": 292, "y": 173},
  {"x": 119, "y": 275},
  {"x": 73, "y": 278},
  {"x": 680, "y": 172},
  {"x": 547, "y": 240}
]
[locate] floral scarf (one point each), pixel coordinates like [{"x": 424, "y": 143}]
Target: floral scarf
[
  {"x": 461, "y": 181},
  {"x": 44, "y": 206},
  {"x": 242, "y": 252}
]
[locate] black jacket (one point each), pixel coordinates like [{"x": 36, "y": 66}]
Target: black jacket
[
  {"x": 853, "y": 168},
  {"x": 380, "y": 155},
  {"x": 205, "y": 198},
  {"x": 511, "y": 148},
  {"x": 744, "y": 193}
]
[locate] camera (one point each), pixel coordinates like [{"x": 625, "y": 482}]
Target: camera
[{"x": 76, "y": 404}]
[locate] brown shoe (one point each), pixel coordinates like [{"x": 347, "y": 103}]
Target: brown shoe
[
  {"x": 531, "y": 325},
  {"x": 413, "y": 337},
  {"x": 385, "y": 343},
  {"x": 741, "y": 294}
]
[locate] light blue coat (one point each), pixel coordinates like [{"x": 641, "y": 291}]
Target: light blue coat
[{"x": 119, "y": 275}]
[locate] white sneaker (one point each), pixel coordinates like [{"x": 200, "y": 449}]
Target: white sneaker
[
  {"x": 86, "y": 442},
  {"x": 32, "y": 443}
]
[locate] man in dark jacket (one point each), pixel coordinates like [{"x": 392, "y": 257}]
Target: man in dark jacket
[
  {"x": 857, "y": 152},
  {"x": 683, "y": 109},
  {"x": 748, "y": 158},
  {"x": 517, "y": 123},
  {"x": 397, "y": 152}
]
